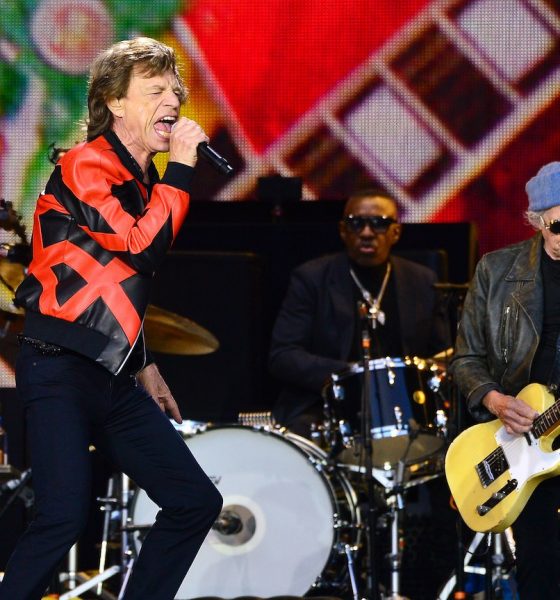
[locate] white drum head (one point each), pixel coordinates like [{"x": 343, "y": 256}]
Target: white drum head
[{"x": 285, "y": 506}]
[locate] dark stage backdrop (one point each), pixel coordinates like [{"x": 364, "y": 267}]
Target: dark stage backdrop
[
  {"x": 236, "y": 292},
  {"x": 222, "y": 292}
]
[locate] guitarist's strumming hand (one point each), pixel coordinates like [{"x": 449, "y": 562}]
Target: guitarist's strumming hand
[{"x": 516, "y": 415}]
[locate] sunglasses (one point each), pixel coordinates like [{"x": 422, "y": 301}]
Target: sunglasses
[
  {"x": 377, "y": 224},
  {"x": 553, "y": 226}
]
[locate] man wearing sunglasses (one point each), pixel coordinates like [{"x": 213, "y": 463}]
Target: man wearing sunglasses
[
  {"x": 509, "y": 337},
  {"x": 318, "y": 329}
]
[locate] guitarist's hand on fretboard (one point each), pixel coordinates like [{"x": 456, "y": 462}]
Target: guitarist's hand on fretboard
[{"x": 516, "y": 415}]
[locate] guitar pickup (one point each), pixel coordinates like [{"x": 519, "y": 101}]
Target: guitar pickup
[
  {"x": 489, "y": 469},
  {"x": 496, "y": 497}
]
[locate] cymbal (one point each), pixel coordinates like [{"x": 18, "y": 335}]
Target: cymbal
[
  {"x": 444, "y": 354},
  {"x": 11, "y": 275},
  {"x": 171, "y": 333}
]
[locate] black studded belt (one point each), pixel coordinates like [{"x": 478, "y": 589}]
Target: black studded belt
[{"x": 42, "y": 347}]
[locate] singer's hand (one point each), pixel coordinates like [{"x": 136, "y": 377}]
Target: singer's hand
[
  {"x": 183, "y": 141},
  {"x": 152, "y": 381}
]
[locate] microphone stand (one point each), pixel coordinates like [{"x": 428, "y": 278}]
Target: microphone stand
[{"x": 371, "y": 578}]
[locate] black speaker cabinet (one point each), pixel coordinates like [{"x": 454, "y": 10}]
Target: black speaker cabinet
[{"x": 222, "y": 292}]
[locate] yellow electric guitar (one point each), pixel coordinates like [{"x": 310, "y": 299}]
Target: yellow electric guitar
[{"x": 492, "y": 474}]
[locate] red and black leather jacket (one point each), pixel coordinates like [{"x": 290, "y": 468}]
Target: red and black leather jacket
[{"x": 99, "y": 233}]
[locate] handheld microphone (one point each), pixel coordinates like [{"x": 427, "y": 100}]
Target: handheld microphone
[{"x": 215, "y": 159}]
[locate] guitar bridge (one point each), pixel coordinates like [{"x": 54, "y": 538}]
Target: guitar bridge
[
  {"x": 489, "y": 469},
  {"x": 496, "y": 497}
]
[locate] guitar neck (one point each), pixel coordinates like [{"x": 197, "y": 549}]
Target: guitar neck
[{"x": 547, "y": 420}]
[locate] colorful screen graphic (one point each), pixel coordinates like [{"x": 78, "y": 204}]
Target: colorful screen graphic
[{"x": 450, "y": 105}]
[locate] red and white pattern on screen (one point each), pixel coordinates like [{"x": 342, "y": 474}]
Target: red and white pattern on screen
[{"x": 438, "y": 102}]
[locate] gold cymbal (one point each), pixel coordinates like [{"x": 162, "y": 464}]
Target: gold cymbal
[
  {"x": 171, "y": 333},
  {"x": 11, "y": 275},
  {"x": 446, "y": 354}
]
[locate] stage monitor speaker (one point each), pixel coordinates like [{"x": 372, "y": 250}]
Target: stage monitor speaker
[{"x": 222, "y": 292}]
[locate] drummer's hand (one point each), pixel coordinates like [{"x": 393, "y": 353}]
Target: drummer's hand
[
  {"x": 516, "y": 415},
  {"x": 153, "y": 383}
]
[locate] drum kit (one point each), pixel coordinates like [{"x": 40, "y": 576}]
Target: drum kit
[
  {"x": 294, "y": 516},
  {"x": 292, "y": 521}
]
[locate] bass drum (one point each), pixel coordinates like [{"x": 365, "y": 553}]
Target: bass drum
[{"x": 286, "y": 518}]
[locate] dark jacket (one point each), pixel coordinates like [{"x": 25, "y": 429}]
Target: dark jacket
[
  {"x": 500, "y": 325},
  {"x": 313, "y": 334},
  {"x": 98, "y": 235}
]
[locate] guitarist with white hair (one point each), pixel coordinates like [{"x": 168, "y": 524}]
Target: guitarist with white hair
[{"x": 509, "y": 338}]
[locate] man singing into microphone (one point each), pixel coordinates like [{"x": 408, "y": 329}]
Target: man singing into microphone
[{"x": 101, "y": 228}]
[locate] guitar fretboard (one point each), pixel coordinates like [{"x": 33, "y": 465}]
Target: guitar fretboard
[{"x": 544, "y": 422}]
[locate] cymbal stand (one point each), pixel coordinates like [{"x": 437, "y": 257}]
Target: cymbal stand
[
  {"x": 496, "y": 572},
  {"x": 17, "y": 488},
  {"x": 110, "y": 502},
  {"x": 78, "y": 582},
  {"x": 127, "y": 555},
  {"x": 396, "y": 495},
  {"x": 396, "y": 547},
  {"x": 498, "y": 549},
  {"x": 88, "y": 583}
]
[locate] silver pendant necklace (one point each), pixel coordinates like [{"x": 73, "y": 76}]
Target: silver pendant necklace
[{"x": 375, "y": 314}]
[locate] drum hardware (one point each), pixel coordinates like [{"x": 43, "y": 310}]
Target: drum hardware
[
  {"x": 295, "y": 518},
  {"x": 349, "y": 552},
  {"x": 366, "y": 320},
  {"x": 396, "y": 505},
  {"x": 317, "y": 434},
  {"x": 401, "y": 389},
  {"x": 115, "y": 507},
  {"x": 498, "y": 551},
  {"x": 441, "y": 422},
  {"x": 16, "y": 486},
  {"x": 20, "y": 488},
  {"x": 257, "y": 419},
  {"x": 189, "y": 427},
  {"x": 78, "y": 582},
  {"x": 109, "y": 503},
  {"x": 387, "y": 482},
  {"x": 228, "y": 523}
]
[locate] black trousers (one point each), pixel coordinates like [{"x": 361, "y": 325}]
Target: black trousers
[
  {"x": 70, "y": 402},
  {"x": 536, "y": 534}
]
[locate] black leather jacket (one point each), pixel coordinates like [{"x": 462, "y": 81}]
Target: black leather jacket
[
  {"x": 501, "y": 324},
  {"x": 99, "y": 233}
]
